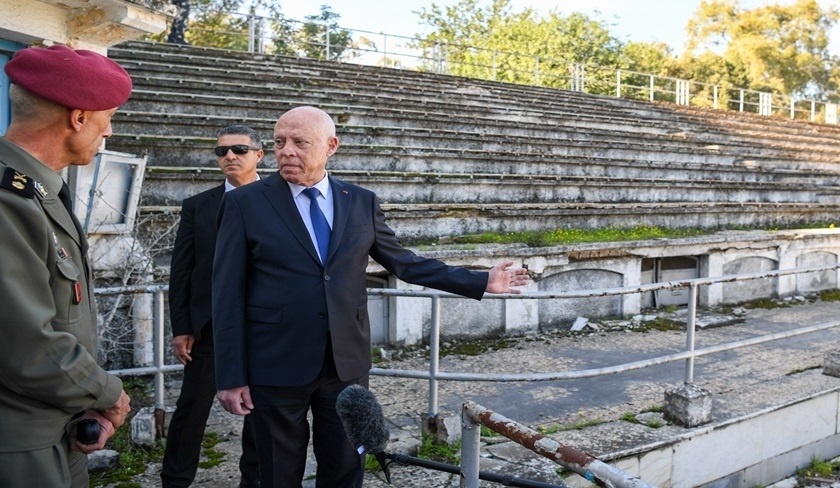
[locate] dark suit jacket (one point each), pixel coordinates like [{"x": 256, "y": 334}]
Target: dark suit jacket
[
  {"x": 192, "y": 263},
  {"x": 273, "y": 301}
]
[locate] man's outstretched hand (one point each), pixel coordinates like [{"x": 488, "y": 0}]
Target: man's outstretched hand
[{"x": 502, "y": 279}]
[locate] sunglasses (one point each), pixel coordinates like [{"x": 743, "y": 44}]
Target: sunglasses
[{"x": 238, "y": 149}]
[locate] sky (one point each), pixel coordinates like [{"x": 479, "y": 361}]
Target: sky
[{"x": 630, "y": 20}]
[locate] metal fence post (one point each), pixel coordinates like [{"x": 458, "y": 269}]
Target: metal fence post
[
  {"x": 251, "y": 29},
  {"x": 327, "y": 35},
  {"x": 158, "y": 334},
  {"x": 618, "y": 83},
  {"x": 691, "y": 320},
  {"x": 651, "y": 88},
  {"x": 434, "y": 356},
  {"x": 470, "y": 439}
]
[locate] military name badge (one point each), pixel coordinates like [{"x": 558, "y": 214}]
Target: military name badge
[{"x": 62, "y": 254}]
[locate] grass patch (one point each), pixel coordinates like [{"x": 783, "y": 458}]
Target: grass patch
[
  {"x": 661, "y": 324},
  {"x": 581, "y": 424},
  {"x": 607, "y": 234},
  {"x": 577, "y": 236},
  {"x": 376, "y": 355},
  {"x": 767, "y": 304},
  {"x": 208, "y": 448},
  {"x": 630, "y": 417},
  {"x": 819, "y": 468},
  {"x": 487, "y": 432},
  {"x": 830, "y": 295},
  {"x": 444, "y": 453},
  {"x": 132, "y": 461},
  {"x": 474, "y": 347}
]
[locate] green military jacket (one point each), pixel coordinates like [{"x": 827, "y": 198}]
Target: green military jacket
[{"x": 48, "y": 335}]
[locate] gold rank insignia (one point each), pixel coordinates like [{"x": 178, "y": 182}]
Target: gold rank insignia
[{"x": 18, "y": 182}]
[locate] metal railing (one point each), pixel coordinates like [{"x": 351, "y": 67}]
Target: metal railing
[
  {"x": 434, "y": 375},
  {"x": 403, "y": 52},
  {"x": 587, "y": 466}
]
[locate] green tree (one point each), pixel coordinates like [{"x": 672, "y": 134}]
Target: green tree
[
  {"x": 775, "y": 48},
  {"x": 311, "y": 37},
  {"x": 521, "y": 47}
]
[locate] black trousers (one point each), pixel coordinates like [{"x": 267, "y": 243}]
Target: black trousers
[
  {"x": 282, "y": 433},
  {"x": 186, "y": 428}
]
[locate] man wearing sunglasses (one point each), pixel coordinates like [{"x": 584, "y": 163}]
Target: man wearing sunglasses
[{"x": 238, "y": 151}]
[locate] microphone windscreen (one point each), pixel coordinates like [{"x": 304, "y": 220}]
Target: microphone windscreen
[{"x": 362, "y": 418}]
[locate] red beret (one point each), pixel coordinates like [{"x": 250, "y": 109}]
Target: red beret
[{"x": 73, "y": 78}]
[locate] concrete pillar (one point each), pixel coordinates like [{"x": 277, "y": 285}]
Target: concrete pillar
[
  {"x": 632, "y": 272},
  {"x": 787, "y": 259},
  {"x": 406, "y": 316},
  {"x": 688, "y": 405},
  {"x": 711, "y": 295},
  {"x": 522, "y": 316}
]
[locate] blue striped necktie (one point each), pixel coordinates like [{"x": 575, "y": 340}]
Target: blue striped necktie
[{"x": 319, "y": 222}]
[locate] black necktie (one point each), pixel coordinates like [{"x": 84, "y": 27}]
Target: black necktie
[
  {"x": 64, "y": 196},
  {"x": 319, "y": 223}
]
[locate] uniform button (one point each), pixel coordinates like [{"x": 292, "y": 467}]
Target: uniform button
[
  {"x": 322, "y": 315},
  {"x": 327, "y": 277}
]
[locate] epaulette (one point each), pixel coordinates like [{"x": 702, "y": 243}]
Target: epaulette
[{"x": 18, "y": 183}]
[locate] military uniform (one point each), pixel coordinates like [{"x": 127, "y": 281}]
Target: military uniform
[{"x": 48, "y": 334}]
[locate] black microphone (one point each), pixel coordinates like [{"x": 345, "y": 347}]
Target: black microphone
[{"x": 362, "y": 418}]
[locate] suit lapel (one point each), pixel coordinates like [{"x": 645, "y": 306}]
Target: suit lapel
[
  {"x": 56, "y": 211},
  {"x": 278, "y": 194},
  {"x": 210, "y": 207},
  {"x": 341, "y": 209}
]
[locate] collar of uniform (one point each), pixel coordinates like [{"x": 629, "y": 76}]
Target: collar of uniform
[{"x": 16, "y": 157}]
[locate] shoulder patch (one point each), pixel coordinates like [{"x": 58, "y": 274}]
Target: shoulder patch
[{"x": 18, "y": 183}]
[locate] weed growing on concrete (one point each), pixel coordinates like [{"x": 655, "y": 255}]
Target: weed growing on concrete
[
  {"x": 579, "y": 425},
  {"x": 830, "y": 295},
  {"x": 661, "y": 324},
  {"x": 630, "y": 417},
  {"x": 208, "y": 448},
  {"x": 767, "y": 304},
  {"x": 444, "y": 453},
  {"x": 819, "y": 468},
  {"x": 133, "y": 459},
  {"x": 486, "y": 432}
]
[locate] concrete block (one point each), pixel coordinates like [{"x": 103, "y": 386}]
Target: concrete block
[
  {"x": 102, "y": 459},
  {"x": 689, "y": 405},
  {"x": 831, "y": 364},
  {"x": 579, "y": 324},
  {"x": 446, "y": 430},
  {"x": 143, "y": 425}
]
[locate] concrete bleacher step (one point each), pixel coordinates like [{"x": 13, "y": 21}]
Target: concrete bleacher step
[
  {"x": 528, "y": 157},
  {"x": 168, "y": 186}
]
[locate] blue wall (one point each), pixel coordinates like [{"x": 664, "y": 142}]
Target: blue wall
[{"x": 7, "y": 48}]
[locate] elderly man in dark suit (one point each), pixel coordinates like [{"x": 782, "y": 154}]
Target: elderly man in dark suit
[
  {"x": 290, "y": 305},
  {"x": 238, "y": 151}
]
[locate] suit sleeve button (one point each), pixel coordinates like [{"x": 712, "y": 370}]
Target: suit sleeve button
[{"x": 322, "y": 315}]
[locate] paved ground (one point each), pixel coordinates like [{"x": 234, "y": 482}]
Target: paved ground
[{"x": 742, "y": 381}]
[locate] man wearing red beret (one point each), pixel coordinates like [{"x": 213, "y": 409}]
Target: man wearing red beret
[{"x": 62, "y": 101}]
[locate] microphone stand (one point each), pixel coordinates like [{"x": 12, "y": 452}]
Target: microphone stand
[{"x": 385, "y": 460}]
